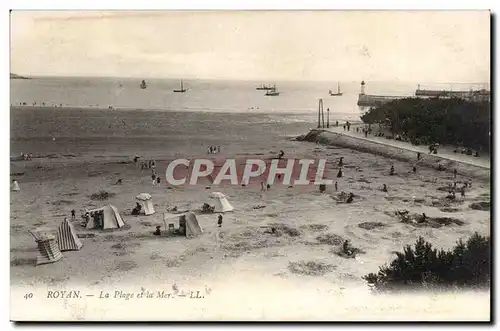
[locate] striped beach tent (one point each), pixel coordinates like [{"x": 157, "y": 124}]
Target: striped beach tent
[
  {"x": 67, "y": 238},
  {"x": 47, "y": 249}
]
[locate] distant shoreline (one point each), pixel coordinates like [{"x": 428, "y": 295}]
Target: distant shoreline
[{"x": 14, "y": 76}]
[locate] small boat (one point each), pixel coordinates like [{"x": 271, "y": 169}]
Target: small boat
[
  {"x": 264, "y": 87},
  {"x": 182, "y": 89},
  {"x": 338, "y": 91},
  {"x": 273, "y": 92},
  {"x": 144, "y": 85}
]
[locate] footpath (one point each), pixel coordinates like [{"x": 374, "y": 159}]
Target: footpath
[{"x": 445, "y": 152}]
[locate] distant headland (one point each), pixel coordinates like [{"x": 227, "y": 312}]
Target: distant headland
[{"x": 14, "y": 76}]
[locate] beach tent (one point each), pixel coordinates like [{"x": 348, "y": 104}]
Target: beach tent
[
  {"x": 15, "y": 186},
  {"x": 146, "y": 203},
  {"x": 47, "y": 248},
  {"x": 222, "y": 205},
  {"x": 188, "y": 223},
  {"x": 111, "y": 220},
  {"x": 67, "y": 238}
]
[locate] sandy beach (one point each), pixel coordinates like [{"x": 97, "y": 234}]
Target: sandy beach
[{"x": 242, "y": 255}]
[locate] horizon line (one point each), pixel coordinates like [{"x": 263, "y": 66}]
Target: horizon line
[{"x": 245, "y": 80}]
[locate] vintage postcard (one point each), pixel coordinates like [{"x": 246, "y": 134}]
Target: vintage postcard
[{"x": 250, "y": 165}]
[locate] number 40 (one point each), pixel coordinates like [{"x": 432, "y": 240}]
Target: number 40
[{"x": 28, "y": 296}]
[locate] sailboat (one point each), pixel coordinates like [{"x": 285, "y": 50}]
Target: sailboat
[
  {"x": 182, "y": 90},
  {"x": 263, "y": 87},
  {"x": 143, "y": 84},
  {"x": 338, "y": 91},
  {"x": 273, "y": 92}
]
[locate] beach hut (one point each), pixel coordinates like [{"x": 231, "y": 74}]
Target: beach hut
[
  {"x": 189, "y": 225},
  {"x": 67, "y": 239},
  {"x": 15, "y": 186},
  {"x": 222, "y": 205},
  {"x": 147, "y": 203},
  {"x": 48, "y": 252},
  {"x": 106, "y": 217}
]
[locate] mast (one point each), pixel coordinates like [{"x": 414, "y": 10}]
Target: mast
[
  {"x": 327, "y": 117},
  {"x": 182, "y": 85},
  {"x": 322, "y": 113},
  {"x": 319, "y": 114},
  {"x": 338, "y": 87}
]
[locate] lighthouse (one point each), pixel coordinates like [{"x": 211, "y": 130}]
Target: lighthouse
[{"x": 362, "y": 87}]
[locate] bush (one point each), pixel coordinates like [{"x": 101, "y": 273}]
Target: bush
[
  {"x": 466, "y": 265},
  {"x": 102, "y": 195},
  {"x": 425, "y": 121}
]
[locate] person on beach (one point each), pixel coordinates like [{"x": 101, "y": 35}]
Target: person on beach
[
  {"x": 219, "y": 220},
  {"x": 418, "y": 156},
  {"x": 281, "y": 154},
  {"x": 73, "y": 215},
  {"x": 337, "y": 123},
  {"x": 218, "y": 149},
  {"x": 350, "y": 198},
  {"x": 339, "y": 174},
  {"x": 344, "y": 127},
  {"x": 336, "y": 186},
  {"x": 384, "y": 188},
  {"x": 414, "y": 169},
  {"x": 346, "y": 248},
  {"x": 341, "y": 161},
  {"x": 262, "y": 188},
  {"x": 366, "y": 133},
  {"x": 454, "y": 173},
  {"x": 158, "y": 180},
  {"x": 392, "y": 170},
  {"x": 158, "y": 231},
  {"x": 208, "y": 149},
  {"x": 462, "y": 191},
  {"x": 470, "y": 183},
  {"x": 348, "y": 126},
  {"x": 268, "y": 187}
]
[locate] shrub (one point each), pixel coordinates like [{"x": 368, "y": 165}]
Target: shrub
[
  {"x": 466, "y": 265},
  {"x": 102, "y": 195}
]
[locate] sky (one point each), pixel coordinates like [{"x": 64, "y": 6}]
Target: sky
[{"x": 425, "y": 46}]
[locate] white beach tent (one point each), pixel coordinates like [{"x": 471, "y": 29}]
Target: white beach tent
[
  {"x": 190, "y": 224},
  {"x": 112, "y": 218},
  {"x": 146, "y": 203},
  {"x": 67, "y": 238},
  {"x": 222, "y": 205},
  {"x": 15, "y": 186}
]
